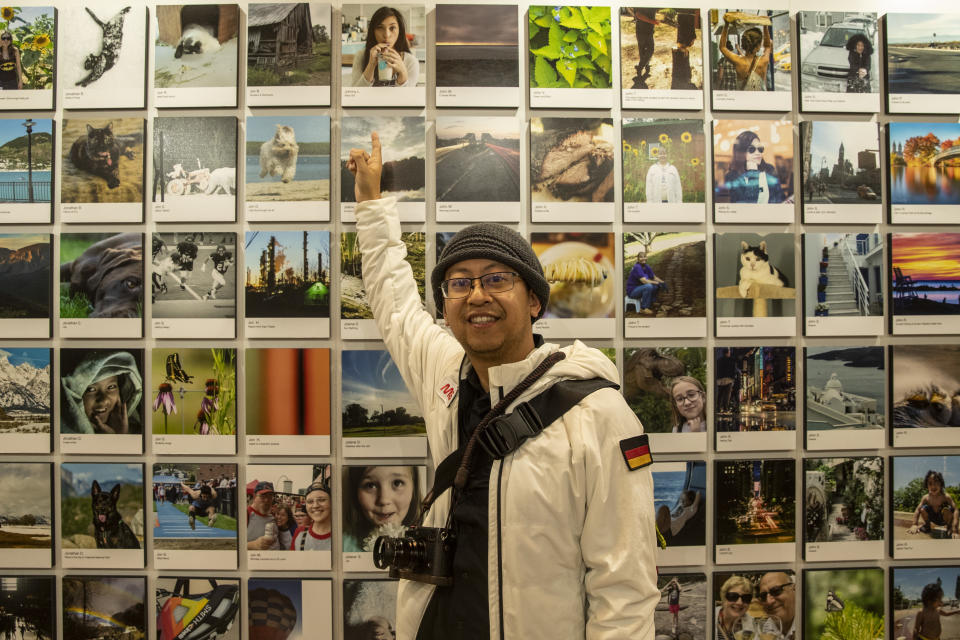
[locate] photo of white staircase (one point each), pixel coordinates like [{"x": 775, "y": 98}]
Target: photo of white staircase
[{"x": 839, "y": 291}]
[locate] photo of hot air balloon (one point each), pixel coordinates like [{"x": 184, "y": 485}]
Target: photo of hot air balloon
[
  {"x": 198, "y": 608},
  {"x": 104, "y": 607},
  {"x": 276, "y": 611}
]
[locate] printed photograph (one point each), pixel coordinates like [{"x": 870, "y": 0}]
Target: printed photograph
[
  {"x": 926, "y": 491},
  {"x": 756, "y": 388},
  {"x": 755, "y": 501},
  {"x": 682, "y": 610},
  {"x": 101, "y": 275},
  {"x": 194, "y": 275},
  {"x": 666, "y": 388},
  {"x": 287, "y": 392},
  {"x": 26, "y": 159},
  {"x": 288, "y": 44},
  {"x": 101, "y": 391},
  {"x": 755, "y": 604},
  {"x": 105, "y": 50},
  {"x": 25, "y": 397},
  {"x": 846, "y": 388},
  {"x": 843, "y": 274},
  {"x": 925, "y": 273},
  {"x": 288, "y": 158},
  {"x": 288, "y": 274},
  {"x": 753, "y": 161},
  {"x": 289, "y": 507},
  {"x": 102, "y": 160},
  {"x": 477, "y": 46},
  {"x": 208, "y": 142},
  {"x": 101, "y": 506},
  {"x": 842, "y": 498},
  {"x": 353, "y": 297},
  {"x": 28, "y": 603},
  {"x": 478, "y": 159},
  {"x": 26, "y": 515},
  {"x": 379, "y": 501},
  {"x": 754, "y": 275},
  {"x": 839, "y": 52},
  {"x": 925, "y": 161},
  {"x": 195, "y": 506},
  {"x": 383, "y": 46},
  {"x": 27, "y": 56},
  {"x": 843, "y": 603},
  {"x": 660, "y": 49},
  {"x": 663, "y": 160},
  {"x": 680, "y": 500},
  {"x": 750, "y": 50},
  {"x": 569, "y": 47},
  {"x": 841, "y": 162},
  {"x": 196, "y": 46},
  {"x": 375, "y": 399},
  {"x": 923, "y": 51},
  {"x": 105, "y": 607},
  {"x": 923, "y": 600},
  {"x": 571, "y": 159},
  {"x": 25, "y": 281},
  {"x": 277, "y": 608},
  {"x": 197, "y": 603},
  {"x": 579, "y": 268},
  {"x": 404, "y": 149},
  {"x": 664, "y": 274},
  {"x": 180, "y": 372},
  {"x": 926, "y": 391}
]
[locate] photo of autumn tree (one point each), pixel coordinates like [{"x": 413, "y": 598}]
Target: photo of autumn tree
[{"x": 924, "y": 163}]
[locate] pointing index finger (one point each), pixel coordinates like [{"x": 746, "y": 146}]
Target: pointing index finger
[{"x": 375, "y": 147}]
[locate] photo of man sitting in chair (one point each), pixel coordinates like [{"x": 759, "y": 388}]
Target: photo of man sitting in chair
[{"x": 643, "y": 284}]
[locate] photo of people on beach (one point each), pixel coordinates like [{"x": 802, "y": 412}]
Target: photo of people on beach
[
  {"x": 681, "y": 592},
  {"x": 477, "y": 45},
  {"x": 660, "y": 49},
  {"x": 288, "y": 158},
  {"x": 666, "y": 388},
  {"x": 843, "y": 603},
  {"x": 925, "y": 273},
  {"x": 26, "y": 160}
]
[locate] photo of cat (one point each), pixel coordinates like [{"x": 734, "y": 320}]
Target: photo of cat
[
  {"x": 196, "y": 46},
  {"x": 102, "y": 160},
  {"x": 754, "y": 275}
]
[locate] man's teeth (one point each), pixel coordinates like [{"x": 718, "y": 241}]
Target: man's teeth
[{"x": 482, "y": 319}]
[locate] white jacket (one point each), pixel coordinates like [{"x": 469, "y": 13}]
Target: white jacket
[{"x": 571, "y": 530}]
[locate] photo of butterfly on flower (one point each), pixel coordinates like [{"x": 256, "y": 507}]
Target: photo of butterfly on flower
[{"x": 201, "y": 380}]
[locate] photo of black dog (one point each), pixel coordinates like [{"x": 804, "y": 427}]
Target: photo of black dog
[{"x": 110, "y": 531}]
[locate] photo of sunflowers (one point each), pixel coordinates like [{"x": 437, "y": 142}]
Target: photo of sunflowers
[
  {"x": 26, "y": 61},
  {"x": 663, "y": 160}
]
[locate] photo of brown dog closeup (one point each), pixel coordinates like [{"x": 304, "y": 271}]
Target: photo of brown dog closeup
[{"x": 110, "y": 274}]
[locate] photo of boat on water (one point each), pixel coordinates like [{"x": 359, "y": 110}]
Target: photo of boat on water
[
  {"x": 26, "y": 157},
  {"x": 845, "y": 388}
]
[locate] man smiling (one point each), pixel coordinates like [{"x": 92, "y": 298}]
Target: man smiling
[
  {"x": 778, "y": 597},
  {"x": 555, "y": 539}
]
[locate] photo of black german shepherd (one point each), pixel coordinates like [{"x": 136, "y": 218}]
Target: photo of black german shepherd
[{"x": 110, "y": 531}]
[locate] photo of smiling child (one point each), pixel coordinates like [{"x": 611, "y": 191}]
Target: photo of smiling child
[{"x": 926, "y": 494}]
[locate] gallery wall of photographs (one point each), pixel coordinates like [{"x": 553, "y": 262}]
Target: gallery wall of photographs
[{"x": 767, "y": 248}]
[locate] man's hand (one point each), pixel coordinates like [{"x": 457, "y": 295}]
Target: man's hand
[{"x": 366, "y": 169}]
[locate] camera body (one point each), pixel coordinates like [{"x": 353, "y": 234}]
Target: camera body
[{"x": 422, "y": 554}]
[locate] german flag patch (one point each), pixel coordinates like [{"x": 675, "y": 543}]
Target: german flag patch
[{"x": 636, "y": 452}]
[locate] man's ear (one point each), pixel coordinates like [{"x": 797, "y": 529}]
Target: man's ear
[{"x": 534, "y": 303}]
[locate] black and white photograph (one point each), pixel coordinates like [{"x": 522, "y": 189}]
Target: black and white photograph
[
  {"x": 29, "y": 603},
  {"x": 846, "y": 397},
  {"x": 193, "y": 279},
  {"x": 840, "y": 180},
  {"x": 369, "y": 609},
  {"x": 105, "y": 607},
  {"x": 756, "y": 604},
  {"x": 925, "y": 394},
  {"x": 842, "y": 509},
  {"x": 843, "y": 284},
  {"x": 26, "y": 170},
  {"x": 102, "y": 515},
  {"x": 198, "y": 603},
  {"x": 478, "y": 168},
  {"x": 103, "y": 62},
  {"x": 477, "y": 55},
  {"x": 195, "y": 55},
  {"x": 750, "y": 59},
  {"x": 755, "y": 292},
  {"x": 924, "y": 501},
  {"x": 25, "y": 399},
  {"x": 28, "y": 56},
  {"x": 661, "y": 58},
  {"x": 289, "y": 608},
  {"x": 26, "y": 285},
  {"x": 194, "y": 169},
  {"x": 680, "y": 503},
  {"x": 924, "y": 284},
  {"x": 845, "y": 603},
  {"x": 101, "y": 401},
  {"x": 839, "y": 61},
  {"x": 26, "y": 515},
  {"x": 572, "y": 169},
  {"x": 922, "y": 52}
]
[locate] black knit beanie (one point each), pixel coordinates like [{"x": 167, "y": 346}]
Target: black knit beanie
[{"x": 492, "y": 242}]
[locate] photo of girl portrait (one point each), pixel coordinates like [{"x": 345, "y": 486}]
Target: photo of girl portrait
[
  {"x": 666, "y": 386},
  {"x": 26, "y": 49},
  {"x": 378, "y": 48},
  {"x": 379, "y": 501},
  {"x": 101, "y": 391},
  {"x": 753, "y": 162}
]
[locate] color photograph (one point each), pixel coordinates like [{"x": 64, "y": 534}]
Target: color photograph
[
  {"x": 197, "y": 603},
  {"x": 25, "y": 281},
  {"x": 403, "y": 140},
  {"x": 843, "y": 603},
  {"x": 26, "y": 160},
  {"x": 287, "y": 392},
  {"x": 101, "y": 506},
  {"x": 680, "y": 500},
  {"x": 202, "y": 378},
  {"x": 755, "y": 501},
  {"x": 926, "y": 491},
  {"x": 579, "y": 268},
  {"x": 744, "y": 151},
  {"x": 198, "y": 508},
  {"x": 288, "y": 44},
  {"x": 846, "y": 388},
  {"x": 288, "y": 274},
  {"x": 923, "y": 600},
  {"x": 376, "y": 402},
  {"x": 279, "y": 498},
  {"x": 477, "y": 46},
  {"x": 843, "y": 274},
  {"x": 379, "y": 501},
  {"x": 664, "y": 274},
  {"x": 288, "y": 158},
  {"x": 29, "y": 602},
  {"x": 105, "y": 607},
  {"x": 666, "y": 388},
  {"x": 478, "y": 159},
  {"x": 353, "y": 297},
  {"x": 842, "y": 498},
  {"x": 101, "y": 391},
  {"x": 682, "y": 610},
  {"x": 196, "y": 46},
  {"x": 26, "y": 515},
  {"x": 101, "y": 275},
  {"x": 102, "y": 160},
  {"x": 839, "y": 52},
  {"x": 663, "y": 160},
  {"x": 383, "y": 46},
  {"x": 755, "y": 388},
  {"x": 569, "y": 47},
  {"x": 289, "y": 608},
  {"x": 208, "y": 142},
  {"x": 369, "y": 609},
  {"x": 30, "y": 48},
  {"x": 571, "y": 159},
  {"x": 194, "y": 275},
  {"x": 750, "y": 50},
  {"x": 926, "y": 386},
  {"x": 660, "y": 49},
  {"x": 841, "y": 162},
  {"x": 925, "y": 273},
  {"x": 25, "y": 398},
  {"x": 755, "y": 604},
  {"x": 754, "y": 275},
  {"x": 923, "y": 51},
  {"x": 925, "y": 162}
]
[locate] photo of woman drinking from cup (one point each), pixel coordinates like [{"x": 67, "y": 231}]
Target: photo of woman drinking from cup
[{"x": 386, "y": 60}]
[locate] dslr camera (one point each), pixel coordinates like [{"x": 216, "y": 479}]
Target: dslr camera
[{"x": 422, "y": 554}]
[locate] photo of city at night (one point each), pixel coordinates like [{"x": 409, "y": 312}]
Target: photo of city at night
[
  {"x": 755, "y": 501},
  {"x": 756, "y": 388}
]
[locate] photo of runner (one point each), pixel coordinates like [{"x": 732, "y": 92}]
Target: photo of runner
[{"x": 195, "y": 506}]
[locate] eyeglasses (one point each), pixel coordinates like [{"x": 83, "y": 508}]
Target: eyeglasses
[
  {"x": 774, "y": 591},
  {"x": 733, "y": 596},
  {"x": 753, "y": 149},
  {"x": 498, "y": 282},
  {"x": 692, "y": 396}
]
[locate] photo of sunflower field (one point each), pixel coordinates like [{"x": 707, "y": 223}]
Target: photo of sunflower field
[
  {"x": 674, "y": 147},
  {"x": 569, "y": 47},
  {"x": 32, "y": 29}
]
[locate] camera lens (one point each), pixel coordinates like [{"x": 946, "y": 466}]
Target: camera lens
[
  {"x": 399, "y": 553},
  {"x": 384, "y": 551}
]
